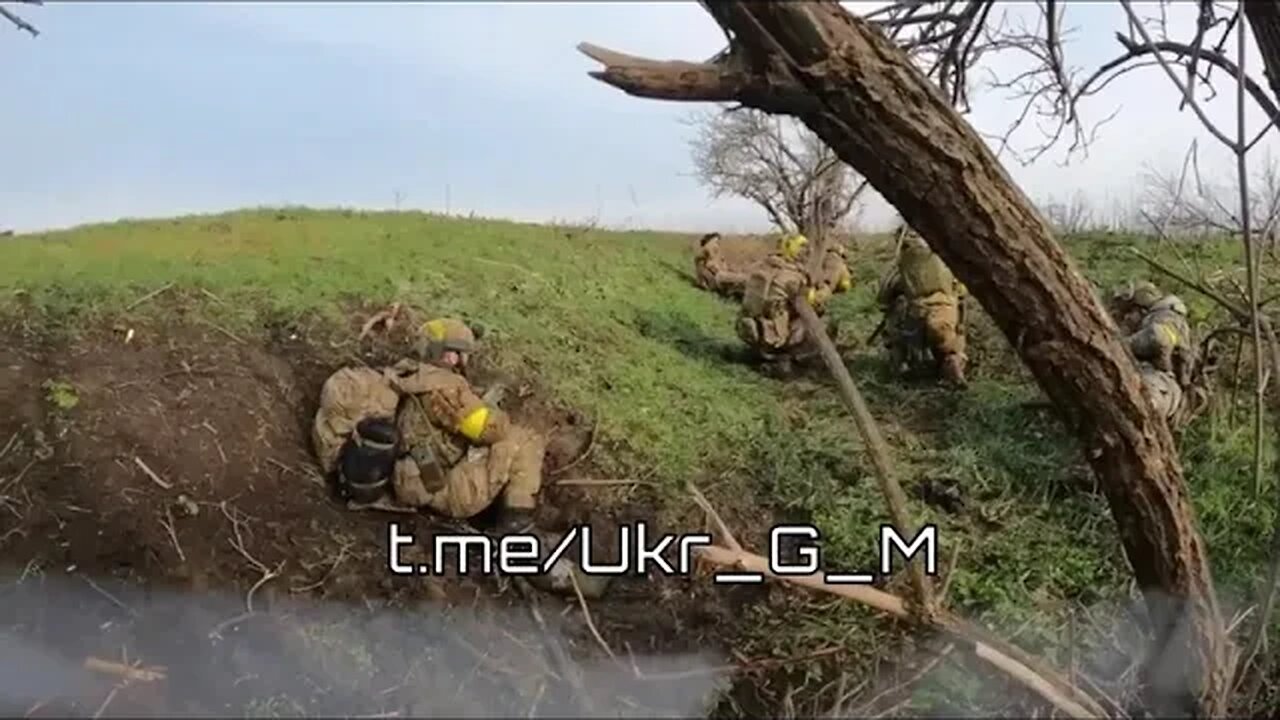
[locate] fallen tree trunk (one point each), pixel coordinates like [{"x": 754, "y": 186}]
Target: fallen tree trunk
[{"x": 864, "y": 98}]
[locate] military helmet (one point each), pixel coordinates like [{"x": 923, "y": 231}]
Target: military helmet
[
  {"x": 791, "y": 245},
  {"x": 708, "y": 238},
  {"x": 1171, "y": 302},
  {"x": 443, "y": 334},
  {"x": 1143, "y": 293}
]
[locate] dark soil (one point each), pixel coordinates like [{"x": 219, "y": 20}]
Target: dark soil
[{"x": 162, "y": 507}]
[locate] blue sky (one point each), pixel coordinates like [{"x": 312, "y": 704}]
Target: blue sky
[{"x": 152, "y": 109}]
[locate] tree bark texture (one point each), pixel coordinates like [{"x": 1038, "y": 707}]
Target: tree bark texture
[
  {"x": 861, "y": 94},
  {"x": 1264, "y": 22}
]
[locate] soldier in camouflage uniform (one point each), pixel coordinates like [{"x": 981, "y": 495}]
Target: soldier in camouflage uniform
[
  {"x": 767, "y": 321},
  {"x": 712, "y": 270},
  {"x": 834, "y": 276},
  {"x": 924, "y": 310},
  {"x": 447, "y": 448},
  {"x": 1158, "y": 335}
]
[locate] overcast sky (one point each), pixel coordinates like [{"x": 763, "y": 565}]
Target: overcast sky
[{"x": 153, "y": 109}]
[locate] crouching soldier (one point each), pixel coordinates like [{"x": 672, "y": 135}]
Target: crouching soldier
[
  {"x": 458, "y": 454},
  {"x": 834, "y": 277},
  {"x": 767, "y": 321},
  {"x": 1159, "y": 337},
  {"x": 924, "y": 309},
  {"x": 419, "y": 430}
]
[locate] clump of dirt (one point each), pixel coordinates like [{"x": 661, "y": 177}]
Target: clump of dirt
[{"x": 164, "y": 488}]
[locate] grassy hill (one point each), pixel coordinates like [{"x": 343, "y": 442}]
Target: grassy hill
[{"x": 610, "y": 324}]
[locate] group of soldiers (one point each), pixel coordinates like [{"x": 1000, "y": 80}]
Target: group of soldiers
[
  {"x": 922, "y": 302},
  {"x": 924, "y": 315},
  {"x": 417, "y": 435}
]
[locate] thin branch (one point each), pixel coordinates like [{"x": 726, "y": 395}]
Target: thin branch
[
  {"x": 1186, "y": 93},
  {"x": 1135, "y": 50},
  {"x": 18, "y": 22},
  {"x": 1251, "y": 258},
  {"x": 875, "y": 444},
  {"x": 1239, "y": 313}
]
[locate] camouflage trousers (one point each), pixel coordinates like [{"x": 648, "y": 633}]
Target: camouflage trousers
[
  {"x": 926, "y": 331},
  {"x": 509, "y": 472}
]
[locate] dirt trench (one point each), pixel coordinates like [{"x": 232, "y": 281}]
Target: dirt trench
[{"x": 161, "y": 507}]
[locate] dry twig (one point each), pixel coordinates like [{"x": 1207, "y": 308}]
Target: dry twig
[
  {"x": 148, "y": 296},
  {"x": 129, "y": 672},
  {"x": 151, "y": 473},
  {"x": 586, "y": 615},
  {"x": 387, "y": 317},
  {"x": 167, "y": 524},
  {"x": 225, "y": 332},
  {"x": 237, "y": 543},
  {"x": 589, "y": 482}
]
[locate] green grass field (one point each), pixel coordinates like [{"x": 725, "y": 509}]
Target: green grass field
[{"x": 610, "y": 323}]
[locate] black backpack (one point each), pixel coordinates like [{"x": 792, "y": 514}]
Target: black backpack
[{"x": 368, "y": 460}]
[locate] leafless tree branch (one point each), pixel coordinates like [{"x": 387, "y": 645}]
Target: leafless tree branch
[{"x": 17, "y": 21}]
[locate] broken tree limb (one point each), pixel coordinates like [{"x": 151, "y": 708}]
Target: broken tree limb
[
  {"x": 17, "y": 20},
  {"x": 876, "y": 446},
  {"x": 1008, "y": 660},
  {"x": 897, "y": 129},
  {"x": 679, "y": 80}
]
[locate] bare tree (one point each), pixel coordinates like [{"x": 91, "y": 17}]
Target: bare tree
[
  {"x": 17, "y": 20},
  {"x": 1189, "y": 204},
  {"x": 876, "y": 109},
  {"x": 1070, "y": 217},
  {"x": 776, "y": 163}
]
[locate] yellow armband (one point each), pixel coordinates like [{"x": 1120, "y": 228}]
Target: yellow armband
[
  {"x": 473, "y": 425},
  {"x": 845, "y": 283},
  {"x": 812, "y": 296},
  {"x": 1171, "y": 336}
]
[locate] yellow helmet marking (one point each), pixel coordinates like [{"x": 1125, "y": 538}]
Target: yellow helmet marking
[
  {"x": 791, "y": 246},
  {"x": 434, "y": 329},
  {"x": 473, "y": 425},
  {"x": 1171, "y": 336}
]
